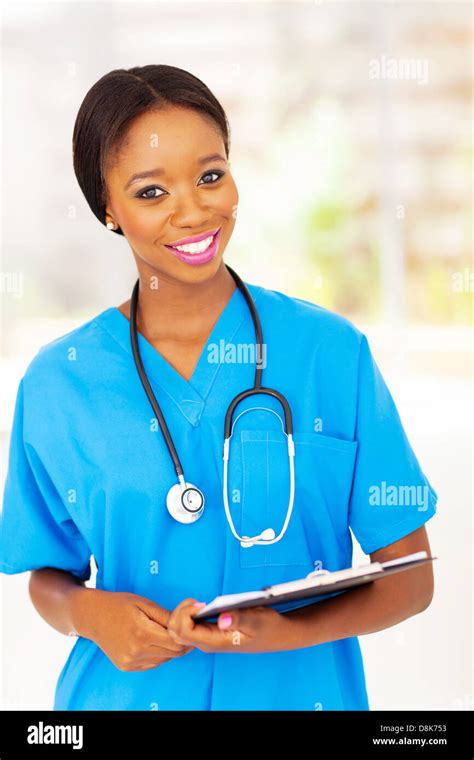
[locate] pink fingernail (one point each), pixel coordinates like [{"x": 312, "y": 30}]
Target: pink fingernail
[
  {"x": 225, "y": 622},
  {"x": 199, "y": 604}
]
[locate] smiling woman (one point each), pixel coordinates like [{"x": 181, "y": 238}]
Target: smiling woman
[
  {"x": 195, "y": 191},
  {"x": 151, "y": 154},
  {"x": 163, "y": 123}
]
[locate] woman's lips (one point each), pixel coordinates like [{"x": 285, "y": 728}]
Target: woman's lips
[
  {"x": 194, "y": 238},
  {"x": 198, "y": 258}
]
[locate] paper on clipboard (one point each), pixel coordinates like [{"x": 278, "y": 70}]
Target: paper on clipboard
[{"x": 232, "y": 599}]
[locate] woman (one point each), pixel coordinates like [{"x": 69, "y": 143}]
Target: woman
[{"x": 89, "y": 469}]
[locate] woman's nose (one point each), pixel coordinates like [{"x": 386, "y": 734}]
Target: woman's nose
[{"x": 190, "y": 210}]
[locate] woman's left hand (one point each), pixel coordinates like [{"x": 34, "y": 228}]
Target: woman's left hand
[{"x": 254, "y": 629}]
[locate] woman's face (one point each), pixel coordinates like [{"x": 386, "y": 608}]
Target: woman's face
[{"x": 186, "y": 193}]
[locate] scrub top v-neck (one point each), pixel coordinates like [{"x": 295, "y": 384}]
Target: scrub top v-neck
[
  {"x": 189, "y": 395},
  {"x": 89, "y": 471}
]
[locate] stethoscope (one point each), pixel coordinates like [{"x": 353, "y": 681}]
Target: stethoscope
[{"x": 185, "y": 501}]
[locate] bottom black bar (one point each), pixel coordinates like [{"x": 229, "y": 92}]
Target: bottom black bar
[{"x": 376, "y": 733}]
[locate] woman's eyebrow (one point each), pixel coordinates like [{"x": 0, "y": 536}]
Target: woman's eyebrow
[{"x": 159, "y": 171}]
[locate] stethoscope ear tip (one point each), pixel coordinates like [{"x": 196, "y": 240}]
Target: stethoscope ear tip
[{"x": 267, "y": 535}]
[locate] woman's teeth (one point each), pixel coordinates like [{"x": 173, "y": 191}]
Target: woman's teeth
[{"x": 195, "y": 247}]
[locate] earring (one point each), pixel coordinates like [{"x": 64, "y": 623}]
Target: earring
[{"x": 110, "y": 226}]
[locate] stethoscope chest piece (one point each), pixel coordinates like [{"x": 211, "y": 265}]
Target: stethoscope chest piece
[{"x": 185, "y": 504}]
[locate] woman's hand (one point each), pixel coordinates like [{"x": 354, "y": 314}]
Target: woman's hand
[
  {"x": 255, "y": 629},
  {"x": 130, "y": 629}
]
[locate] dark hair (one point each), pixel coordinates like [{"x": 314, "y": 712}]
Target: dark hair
[{"x": 111, "y": 105}]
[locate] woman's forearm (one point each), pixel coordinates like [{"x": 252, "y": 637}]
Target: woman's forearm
[
  {"x": 366, "y": 609},
  {"x": 57, "y": 596}
]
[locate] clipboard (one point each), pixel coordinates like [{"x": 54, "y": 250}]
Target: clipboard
[{"x": 314, "y": 587}]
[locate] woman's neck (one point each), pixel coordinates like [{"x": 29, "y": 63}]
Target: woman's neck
[{"x": 177, "y": 311}]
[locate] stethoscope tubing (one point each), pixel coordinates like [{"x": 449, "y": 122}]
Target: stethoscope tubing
[
  {"x": 148, "y": 389},
  {"x": 228, "y": 425}
]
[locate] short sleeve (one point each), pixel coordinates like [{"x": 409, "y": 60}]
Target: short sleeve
[
  {"x": 36, "y": 528},
  {"x": 391, "y": 496}
]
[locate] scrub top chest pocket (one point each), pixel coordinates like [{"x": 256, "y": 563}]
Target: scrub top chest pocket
[{"x": 259, "y": 488}]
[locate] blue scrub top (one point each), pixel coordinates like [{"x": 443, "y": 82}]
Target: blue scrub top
[{"x": 89, "y": 472}]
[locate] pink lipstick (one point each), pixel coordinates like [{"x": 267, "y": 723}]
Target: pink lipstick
[{"x": 198, "y": 256}]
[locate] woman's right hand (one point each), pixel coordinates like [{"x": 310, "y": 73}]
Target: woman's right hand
[{"x": 130, "y": 629}]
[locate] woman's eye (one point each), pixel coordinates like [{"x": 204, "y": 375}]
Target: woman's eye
[
  {"x": 209, "y": 174},
  {"x": 144, "y": 193}
]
